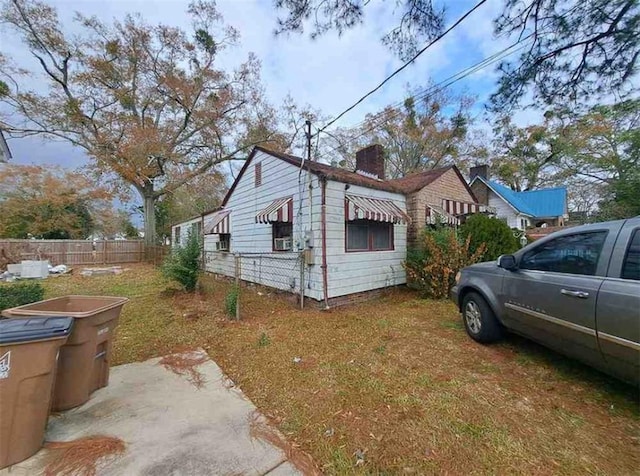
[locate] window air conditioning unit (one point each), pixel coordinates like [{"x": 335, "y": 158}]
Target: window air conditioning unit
[
  {"x": 282, "y": 244},
  {"x": 222, "y": 246}
]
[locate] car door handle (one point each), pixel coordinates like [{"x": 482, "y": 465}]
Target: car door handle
[{"x": 578, "y": 294}]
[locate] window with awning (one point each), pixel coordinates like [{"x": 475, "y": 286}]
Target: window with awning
[
  {"x": 278, "y": 211},
  {"x": 437, "y": 216},
  {"x": 218, "y": 223},
  {"x": 374, "y": 209},
  {"x": 457, "y": 208}
]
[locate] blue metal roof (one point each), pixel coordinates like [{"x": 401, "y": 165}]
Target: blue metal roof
[{"x": 546, "y": 202}]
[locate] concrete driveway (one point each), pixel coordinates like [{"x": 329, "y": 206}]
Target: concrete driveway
[{"x": 171, "y": 427}]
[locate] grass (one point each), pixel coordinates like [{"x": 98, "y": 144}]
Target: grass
[{"x": 396, "y": 380}]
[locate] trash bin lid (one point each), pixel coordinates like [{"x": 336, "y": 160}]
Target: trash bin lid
[{"x": 36, "y": 328}]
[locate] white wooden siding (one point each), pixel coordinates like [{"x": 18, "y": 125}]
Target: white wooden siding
[
  {"x": 505, "y": 211},
  {"x": 347, "y": 273},
  {"x": 279, "y": 179},
  {"x": 361, "y": 271},
  {"x": 184, "y": 230}
]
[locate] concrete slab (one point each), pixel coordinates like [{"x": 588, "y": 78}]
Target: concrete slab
[{"x": 170, "y": 426}]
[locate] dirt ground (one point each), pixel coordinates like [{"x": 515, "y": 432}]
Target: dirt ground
[{"x": 393, "y": 386}]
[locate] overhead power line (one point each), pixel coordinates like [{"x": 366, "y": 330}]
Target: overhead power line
[
  {"x": 424, "y": 94},
  {"x": 388, "y": 78}
]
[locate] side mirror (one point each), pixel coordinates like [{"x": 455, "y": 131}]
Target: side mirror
[{"x": 507, "y": 262}]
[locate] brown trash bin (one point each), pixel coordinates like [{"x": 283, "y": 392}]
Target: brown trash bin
[
  {"x": 28, "y": 352},
  {"x": 83, "y": 365}
]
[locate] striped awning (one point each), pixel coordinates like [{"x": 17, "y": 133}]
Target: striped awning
[
  {"x": 437, "y": 216},
  {"x": 375, "y": 209},
  {"x": 280, "y": 210},
  {"x": 217, "y": 223},
  {"x": 456, "y": 208}
]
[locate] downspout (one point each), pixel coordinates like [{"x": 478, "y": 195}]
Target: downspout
[{"x": 323, "y": 235}]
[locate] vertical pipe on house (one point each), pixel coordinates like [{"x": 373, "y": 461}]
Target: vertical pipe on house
[{"x": 323, "y": 231}]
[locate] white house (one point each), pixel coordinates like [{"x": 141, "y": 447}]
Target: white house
[
  {"x": 180, "y": 232},
  {"x": 347, "y": 230},
  {"x": 521, "y": 210}
]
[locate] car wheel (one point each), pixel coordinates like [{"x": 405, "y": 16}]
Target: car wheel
[{"x": 479, "y": 320}]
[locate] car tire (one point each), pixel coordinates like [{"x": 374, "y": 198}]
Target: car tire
[{"x": 480, "y": 321}]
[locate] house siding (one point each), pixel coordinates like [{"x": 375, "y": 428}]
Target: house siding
[
  {"x": 355, "y": 272},
  {"x": 504, "y": 211},
  {"x": 347, "y": 273},
  {"x": 184, "y": 230},
  {"x": 279, "y": 179},
  {"x": 447, "y": 186}
]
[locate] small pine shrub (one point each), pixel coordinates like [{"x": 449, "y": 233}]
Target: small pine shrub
[
  {"x": 432, "y": 268},
  {"x": 231, "y": 301},
  {"x": 493, "y": 233},
  {"x": 183, "y": 264},
  {"x": 20, "y": 293},
  {"x": 264, "y": 340}
]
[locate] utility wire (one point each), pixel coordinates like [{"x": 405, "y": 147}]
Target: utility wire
[
  {"x": 497, "y": 56},
  {"x": 388, "y": 78},
  {"x": 425, "y": 94}
]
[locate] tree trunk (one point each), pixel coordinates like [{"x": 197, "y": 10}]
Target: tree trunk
[{"x": 149, "y": 211}]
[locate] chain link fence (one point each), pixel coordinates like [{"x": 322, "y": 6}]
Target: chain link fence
[{"x": 281, "y": 271}]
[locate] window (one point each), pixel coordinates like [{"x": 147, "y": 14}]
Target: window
[
  {"x": 572, "y": 254},
  {"x": 224, "y": 242},
  {"x": 282, "y": 236},
  {"x": 258, "y": 173},
  {"x": 631, "y": 264},
  {"x": 365, "y": 235},
  {"x": 523, "y": 223},
  {"x": 176, "y": 240}
]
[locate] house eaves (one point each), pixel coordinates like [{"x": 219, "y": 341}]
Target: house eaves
[{"x": 517, "y": 207}]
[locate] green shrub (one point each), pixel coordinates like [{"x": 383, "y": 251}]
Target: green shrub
[
  {"x": 231, "y": 301},
  {"x": 183, "y": 264},
  {"x": 493, "y": 233},
  {"x": 20, "y": 293},
  {"x": 432, "y": 267},
  {"x": 264, "y": 340}
]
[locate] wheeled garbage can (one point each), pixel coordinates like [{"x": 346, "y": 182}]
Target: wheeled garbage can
[
  {"x": 83, "y": 365},
  {"x": 28, "y": 355}
]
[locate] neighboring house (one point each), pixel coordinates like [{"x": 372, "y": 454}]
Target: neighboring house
[
  {"x": 180, "y": 232},
  {"x": 352, "y": 226},
  {"x": 5, "y": 153},
  {"x": 521, "y": 210},
  {"x": 435, "y": 196}
]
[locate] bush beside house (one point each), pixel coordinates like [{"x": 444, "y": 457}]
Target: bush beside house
[
  {"x": 492, "y": 233},
  {"x": 183, "y": 264},
  {"x": 432, "y": 267}
]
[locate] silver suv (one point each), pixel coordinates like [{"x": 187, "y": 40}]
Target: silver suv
[{"x": 576, "y": 291}]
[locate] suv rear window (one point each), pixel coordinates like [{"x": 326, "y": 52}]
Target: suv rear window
[
  {"x": 631, "y": 264},
  {"x": 571, "y": 254}
]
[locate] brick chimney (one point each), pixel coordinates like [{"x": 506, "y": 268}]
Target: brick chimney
[
  {"x": 370, "y": 160},
  {"x": 481, "y": 171}
]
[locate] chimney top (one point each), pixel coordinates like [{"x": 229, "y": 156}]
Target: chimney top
[
  {"x": 370, "y": 160},
  {"x": 481, "y": 171}
]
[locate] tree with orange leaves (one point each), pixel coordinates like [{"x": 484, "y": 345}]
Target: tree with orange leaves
[
  {"x": 49, "y": 203},
  {"x": 147, "y": 102}
]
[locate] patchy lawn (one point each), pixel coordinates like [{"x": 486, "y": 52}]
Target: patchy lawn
[{"x": 396, "y": 381}]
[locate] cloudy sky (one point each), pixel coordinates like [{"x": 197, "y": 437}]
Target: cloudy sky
[{"x": 329, "y": 73}]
